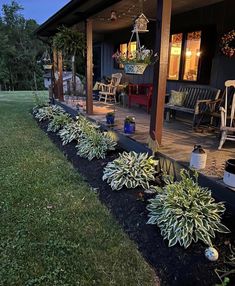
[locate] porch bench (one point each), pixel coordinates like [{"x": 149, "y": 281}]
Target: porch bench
[
  {"x": 195, "y": 102},
  {"x": 140, "y": 94}
]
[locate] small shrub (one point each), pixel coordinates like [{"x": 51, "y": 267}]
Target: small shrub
[
  {"x": 130, "y": 170},
  {"x": 95, "y": 144},
  {"x": 48, "y": 112},
  {"x": 58, "y": 122},
  {"x": 185, "y": 212}
]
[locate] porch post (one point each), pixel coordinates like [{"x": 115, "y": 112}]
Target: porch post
[
  {"x": 54, "y": 81},
  {"x": 89, "y": 67},
  {"x": 162, "y": 38},
  {"x": 60, "y": 76}
]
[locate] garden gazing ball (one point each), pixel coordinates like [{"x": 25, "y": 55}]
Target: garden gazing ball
[{"x": 211, "y": 254}]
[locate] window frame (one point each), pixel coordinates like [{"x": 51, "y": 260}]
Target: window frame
[{"x": 183, "y": 56}]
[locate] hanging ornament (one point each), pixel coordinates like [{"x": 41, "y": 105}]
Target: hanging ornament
[{"x": 141, "y": 24}]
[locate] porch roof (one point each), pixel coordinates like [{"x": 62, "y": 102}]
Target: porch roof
[{"x": 77, "y": 11}]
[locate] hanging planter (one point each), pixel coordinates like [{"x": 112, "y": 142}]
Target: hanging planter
[
  {"x": 47, "y": 67},
  {"x": 137, "y": 68},
  {"x": 136, "y": 62}
]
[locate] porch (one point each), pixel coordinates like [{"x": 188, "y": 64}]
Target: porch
[{"x": 178, "y": 137}]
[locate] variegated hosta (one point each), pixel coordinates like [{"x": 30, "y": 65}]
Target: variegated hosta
[
  {"x": 95, "y": 144},
  {"x": 75, "y": 129},
  {"x": 58, "y": 122},
  {"x": 185, "y": 212},
  {"x": 70, "y": 132},
  {"x": 48, "y": 112},
  {"x": 130, "y": 170}
]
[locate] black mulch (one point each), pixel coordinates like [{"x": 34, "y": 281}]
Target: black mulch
[{"x": 174, "y": 266}]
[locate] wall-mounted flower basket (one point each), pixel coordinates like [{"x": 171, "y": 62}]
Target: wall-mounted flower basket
[{"x": 135, "y": 68}]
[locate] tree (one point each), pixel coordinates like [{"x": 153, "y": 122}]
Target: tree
[
  {"x": 20, "y": 49},
  {"x": 72, "y": 43}
]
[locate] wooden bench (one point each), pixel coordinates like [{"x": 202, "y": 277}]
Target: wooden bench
[
  {"x": 140, "y": 94},
  {"x": 194, "y": 102}
]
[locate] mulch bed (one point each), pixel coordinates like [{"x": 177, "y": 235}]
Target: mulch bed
[{"x": 174, "y": 266}]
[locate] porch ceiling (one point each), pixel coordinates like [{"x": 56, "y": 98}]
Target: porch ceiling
[
  {"x": 78, "y": 10},
  {"x": 127, "y": 10}
]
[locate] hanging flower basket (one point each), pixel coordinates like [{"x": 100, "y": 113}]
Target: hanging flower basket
[
  {"x": 47, "y": 67},
  {"x": 135, "y": 68}
]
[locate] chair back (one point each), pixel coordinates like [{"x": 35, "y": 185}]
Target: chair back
[
  {"x": 228, "y": 112},
  {"x": 116, "y": 79}
]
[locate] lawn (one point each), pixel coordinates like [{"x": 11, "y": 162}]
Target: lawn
[{"x": 54, "y": 230}]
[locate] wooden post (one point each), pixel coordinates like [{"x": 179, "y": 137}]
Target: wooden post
[
  {"x": 160, "y": 69},
  {"x": 89, "y": 68},
  {"x": 54, "y": 80},
  {"x": 60, "y": 76}
]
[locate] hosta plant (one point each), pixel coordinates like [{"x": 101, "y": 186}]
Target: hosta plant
[
  {"x": 130, "y": 170},
  {"x": 58, "y": 122},
  {"x": 95, "y": 144},
  {"x": 75, "y": 129},
  {"x": 186, "y": 212},
  {"x": 48, "y": 112}
]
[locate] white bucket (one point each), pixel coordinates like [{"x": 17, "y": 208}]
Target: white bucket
[{"x": 229, "y": 173}]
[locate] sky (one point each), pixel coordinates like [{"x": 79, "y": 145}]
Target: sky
[{"x": 40, "y": 10}]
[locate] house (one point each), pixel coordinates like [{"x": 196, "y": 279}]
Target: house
[
  {"x": 186, "y": 35},
  {"x": 67, "y": 82}
]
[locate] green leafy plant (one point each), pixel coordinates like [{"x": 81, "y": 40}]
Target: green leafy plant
[
  {"x": 48, "y": 112},
  {"x": 40, "y": 101},
  {"x": 95, "y": 144},
  {"x": 110, "y": 114},
  {"x": 185, "y": 212},
  {"x": 58, "y": 122},
  {"x": 129, "y": 119},
  {"x": 141, "y": 56},
  {"x": 130, "y": 170},
  {"x": 75, "y": 129}
]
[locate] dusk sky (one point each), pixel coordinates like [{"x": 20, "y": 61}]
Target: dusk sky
[{"x": 40, "y": 10}]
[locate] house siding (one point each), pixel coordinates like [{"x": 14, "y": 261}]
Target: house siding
[{"x": 220, "y": 17}]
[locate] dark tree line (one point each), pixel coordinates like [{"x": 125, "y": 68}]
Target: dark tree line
[{"x": 20, "y": 50}]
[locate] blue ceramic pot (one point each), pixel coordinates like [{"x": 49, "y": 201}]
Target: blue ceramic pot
[
  {"x": 110, "y": 120},
  {"x": 129, "y": 127}
]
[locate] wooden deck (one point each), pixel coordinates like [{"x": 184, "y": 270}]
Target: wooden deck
[{"x": 178, "y": 137}]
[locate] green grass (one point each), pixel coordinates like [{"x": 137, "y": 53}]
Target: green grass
[{"x": 54, "y": 230}]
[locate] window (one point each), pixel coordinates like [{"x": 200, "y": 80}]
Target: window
[
  {"x": 192, "y": 54},
  {"x": 127, "y": 50},
  {"x": 175, "y": 55},
  {"x": 185, "y": 52}
]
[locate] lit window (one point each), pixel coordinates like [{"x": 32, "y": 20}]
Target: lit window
[
  {"x": 128, "y": 50},
  {"x": 175, "y": 55},
  {"x": 192, "y": 55}
]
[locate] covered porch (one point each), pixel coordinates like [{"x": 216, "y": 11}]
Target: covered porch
[{"x": 175, "y": 138}]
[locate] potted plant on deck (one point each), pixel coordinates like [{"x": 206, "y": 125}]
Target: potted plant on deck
[
  {"x": 129, "y": 125},
  {"x": 110, "y": 116}
]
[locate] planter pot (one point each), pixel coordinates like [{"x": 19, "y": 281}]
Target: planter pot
[
  {"x": 129, "y": 127},
  {"x": 110, "y": 120},
  {"x": 135, "y": 68},
  {"x": 229, "y": 173}
]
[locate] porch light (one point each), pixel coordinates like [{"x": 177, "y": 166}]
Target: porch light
[
  {"x": 198, "y": 53},
  {"x": 113, "y": 16}
]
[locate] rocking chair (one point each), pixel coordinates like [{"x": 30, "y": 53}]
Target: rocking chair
[
  {"x": 227, "y": 115},
  {"x": 108, "y": 91}
]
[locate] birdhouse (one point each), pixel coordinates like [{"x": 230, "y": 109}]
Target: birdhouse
[{"x": 141, "y": 24}]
